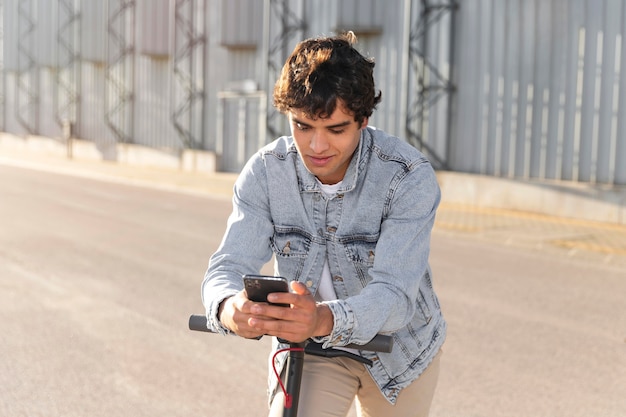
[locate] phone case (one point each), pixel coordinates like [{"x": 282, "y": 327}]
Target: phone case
[{"x": 259, "y": 286}]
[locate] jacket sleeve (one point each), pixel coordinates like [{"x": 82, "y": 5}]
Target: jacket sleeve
[
  {"x": 245, "y": 246},
  {"x": 390, "y": 299}
]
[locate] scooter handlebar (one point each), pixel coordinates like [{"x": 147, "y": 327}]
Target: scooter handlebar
[{"x": 380, "y": 342}]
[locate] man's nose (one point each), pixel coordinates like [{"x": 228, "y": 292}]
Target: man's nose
[{"x": 319, "y": 142}]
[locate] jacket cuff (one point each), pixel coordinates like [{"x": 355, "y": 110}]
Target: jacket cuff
[
  {"x": 343, "y": 325},
  {"x": 212, "y": 315}
]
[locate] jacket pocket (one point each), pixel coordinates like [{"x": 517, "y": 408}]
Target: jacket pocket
[
  {"x": 291, "y": 247},
  {"x": 361, "y": 254}
]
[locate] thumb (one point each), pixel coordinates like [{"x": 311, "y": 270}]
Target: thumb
[{"x": 299, "y": 288}]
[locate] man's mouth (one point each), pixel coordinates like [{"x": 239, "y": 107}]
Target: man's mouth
[{"x": 319, "y": 161}]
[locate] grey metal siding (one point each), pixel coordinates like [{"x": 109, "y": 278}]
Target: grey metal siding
[
  {"x": 540, "y": 90},
  {"x": 507, "y": 88}
]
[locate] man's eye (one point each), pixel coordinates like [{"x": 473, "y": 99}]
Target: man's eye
[
  {"x": 337, "y": 131},
  {"x": 300, "y": 126}
]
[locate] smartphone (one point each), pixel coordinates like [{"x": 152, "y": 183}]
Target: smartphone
[{"x": 257, "y": 287}]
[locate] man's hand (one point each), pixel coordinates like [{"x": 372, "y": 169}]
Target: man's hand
[
  {"x": 302, "y": 320},
  {"x": 234, "y": 314}
]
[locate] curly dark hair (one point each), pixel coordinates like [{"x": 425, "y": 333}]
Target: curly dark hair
[{"x": 321, "y": 71}]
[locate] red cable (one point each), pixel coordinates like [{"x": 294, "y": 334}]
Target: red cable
[{"x": 288, "y": 397}]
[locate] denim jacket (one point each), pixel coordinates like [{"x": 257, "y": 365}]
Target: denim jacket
[{"x": 375, "y": 233}]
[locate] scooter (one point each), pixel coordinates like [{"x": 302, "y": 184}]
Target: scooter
[{"x": 295, "y": 360}]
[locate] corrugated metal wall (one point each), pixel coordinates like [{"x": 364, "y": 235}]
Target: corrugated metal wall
[
  {"x": 511, "y": 88},
  {"x": 541, "y": 90}
]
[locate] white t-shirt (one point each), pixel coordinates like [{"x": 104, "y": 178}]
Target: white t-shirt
[{"x": 326, "y": 291}]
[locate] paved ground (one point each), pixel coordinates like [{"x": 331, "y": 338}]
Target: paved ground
[
  {"x": 533, "y": 302},
  {"x": 579, "y": 239},
  {"x": 588, "y": 240}
]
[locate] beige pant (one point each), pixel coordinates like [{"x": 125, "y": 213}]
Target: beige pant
[{"x": 329, "y": 385}]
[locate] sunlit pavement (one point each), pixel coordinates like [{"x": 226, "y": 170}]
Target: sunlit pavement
[{"x": 557, "y": 236}]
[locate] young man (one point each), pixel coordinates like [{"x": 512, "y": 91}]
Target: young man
[{"x": 347, "y": 211}]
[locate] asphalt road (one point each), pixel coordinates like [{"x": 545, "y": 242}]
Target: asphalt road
[{"x": 97, "y": 280}]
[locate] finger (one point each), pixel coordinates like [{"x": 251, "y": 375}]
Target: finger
[
  {"x": 295, "y": 300},
  {"x": 236, "y": 314},
  {"x": 271, "y": 312},
  {"x": 275, "y": 312},
  {"x": 298, "y": 291},
  {"x": 299, "y": 288},
  {"x": 287, "y": 330}
]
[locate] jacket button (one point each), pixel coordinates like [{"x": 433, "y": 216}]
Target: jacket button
[
  {"x": 309, "y": 284},
  {"x": 338, "y": 278},
  {"x": 331, "y": 229}
]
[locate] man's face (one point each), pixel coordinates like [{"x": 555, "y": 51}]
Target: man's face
[{"x": 326, "y": 145}]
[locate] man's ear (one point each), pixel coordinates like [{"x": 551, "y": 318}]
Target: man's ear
[{"x": 364, "y": 123}]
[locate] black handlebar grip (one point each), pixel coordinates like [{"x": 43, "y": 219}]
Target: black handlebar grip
[
  {"x": 198, "y": 323},
  {"x": 380, "y": 343}
]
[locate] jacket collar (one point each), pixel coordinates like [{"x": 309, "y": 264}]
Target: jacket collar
[{"x": 308, "y": 182}]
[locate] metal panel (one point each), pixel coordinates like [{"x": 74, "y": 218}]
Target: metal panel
[
  {"x": 241, "y": 123},
  {"x": 241, "y": 26},
  {"x": 153, "y": 21},
  {"x": 285, "y": 25},
  {"x": 428, "y": 78},
  {"x": 618, "y": 112},
  {"x": 571, "y": 91},
  {"x": 541, "y": 90},
  {"x": 153, "y": 125},
  {"x": 9, "y": 31},
  {"x": 2, "y": 74},
  {"x": 94, "y": 17},
  {"x": 362, "y": 16},
  {"x": 27, "y": 98},
  {"x": 47, "y": 123},
  {"x": 47, "y": 26},
  {"x": 120, "y": 69},
  {"x": 91, "y": 125},
  {"x": 66, "y": 94},
  {"x": 320, "y": 16},
  {"x": 609, "y": 84},
  {"x": 11, "y": 123},
  {"x": 242, "y": 64},
  {"x": 187, "y": 86}
]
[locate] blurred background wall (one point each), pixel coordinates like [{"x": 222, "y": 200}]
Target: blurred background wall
[{"x": 519, "y": 89}]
